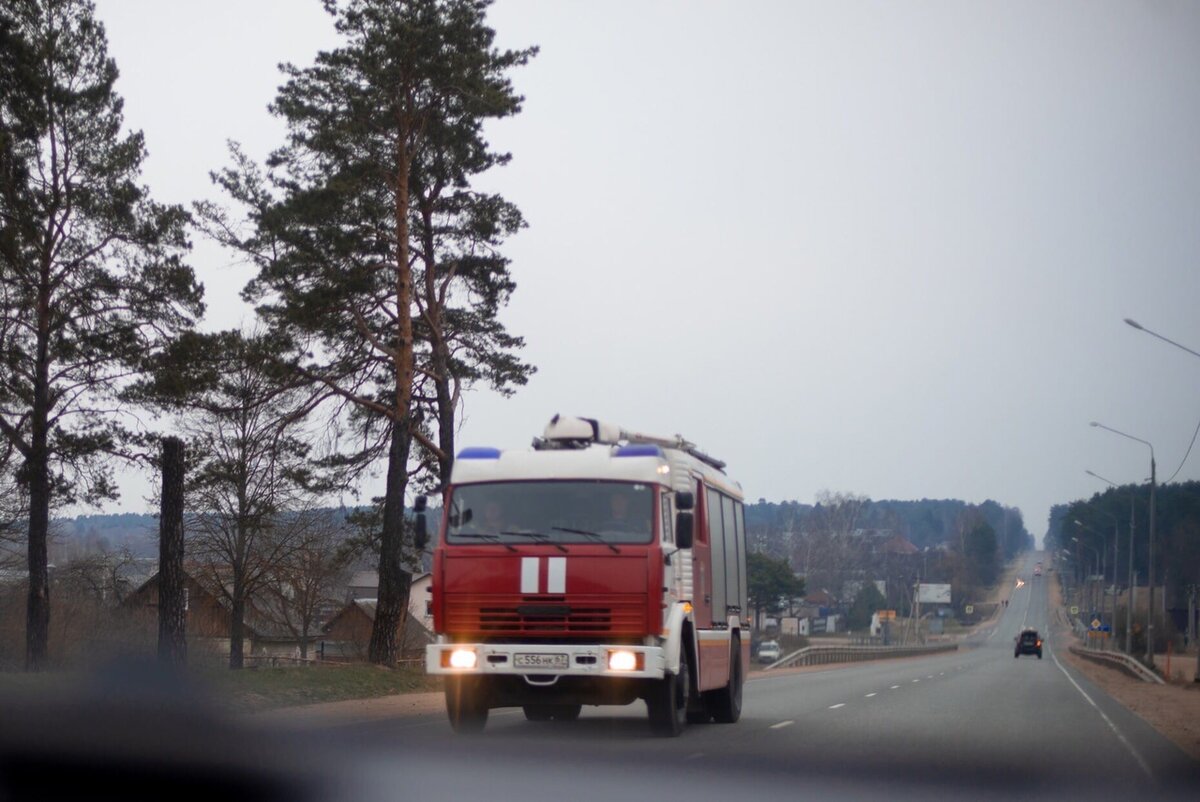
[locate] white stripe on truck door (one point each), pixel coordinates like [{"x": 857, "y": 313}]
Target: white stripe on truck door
[
  {"x": 529, "y": 574},
  {"x": 556, "y": 575}
]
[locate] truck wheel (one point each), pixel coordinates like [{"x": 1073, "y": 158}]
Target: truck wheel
[
  {"x": 726, "y": 705},
  {"x": 667, "y": 703},
  {"x": 466, "y": 705}
]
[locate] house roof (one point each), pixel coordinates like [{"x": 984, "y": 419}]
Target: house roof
[
  {"x": 415, "y": 633},
  {"x": 364, "y": 579},
  {"x": 899, "y": 544}
]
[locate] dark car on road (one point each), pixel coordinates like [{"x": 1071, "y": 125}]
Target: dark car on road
[{"x": 1029, "y": 642}]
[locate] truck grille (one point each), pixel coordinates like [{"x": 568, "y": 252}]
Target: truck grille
[{"x": 546, "y": 616}]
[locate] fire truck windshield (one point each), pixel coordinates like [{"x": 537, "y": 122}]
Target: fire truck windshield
[{"x": 551, "y": 512}]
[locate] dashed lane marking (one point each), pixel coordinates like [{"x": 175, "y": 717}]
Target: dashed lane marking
[
  {"x": 782, "y": 724},
  {"x": 894, "y": 687},
  {"x": 916, "y": 680},
  {"x": 869, "y": 695},
  {"x": 839, "y": 704}
]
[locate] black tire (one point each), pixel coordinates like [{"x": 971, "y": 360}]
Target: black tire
[
  {"x": 1016, "y": 655},
  {"x": 538, "y": 712},
  {"x": 466, "y": 705},
  {"x": 726, "y": 703},
  {"x": 667, "y": 703},
  {"x": 1039, "y": 655},
  {"x": 700, "y": 715}
]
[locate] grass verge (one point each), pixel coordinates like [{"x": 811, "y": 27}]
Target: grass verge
[{"x": 268, "y": 688}]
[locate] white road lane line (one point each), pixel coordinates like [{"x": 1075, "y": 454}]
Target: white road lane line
[
  {"x": 869, "y": 695},
  {"x": 1107, "y": 720},
  {"x": 839, "y": 704},
  {"x": 916, "y": 680},
  {"x": 782, "y": 724},
  {"x": 894, "y": 687}
]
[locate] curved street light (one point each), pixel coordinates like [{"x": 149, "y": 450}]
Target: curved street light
[
  {"x": 1150, "y": 558},
  {"x": 1180, "y": 346},
  {"x": 1089, "y": 578},
  {"x": 1129, "y": 601},
  {"x": 1102, "y": 562}
]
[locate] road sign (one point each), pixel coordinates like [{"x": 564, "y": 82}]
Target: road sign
[
  {"x": 1074, "y": 609},
  {"x": 1095, "y": 623},
  {"x": 969, "y": 609},
  {"x": 887, "y": 615}
]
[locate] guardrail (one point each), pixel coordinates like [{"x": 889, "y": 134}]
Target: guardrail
[
  {"x": 1117, "y": 660},
  {"x": 844, "y": 653}
]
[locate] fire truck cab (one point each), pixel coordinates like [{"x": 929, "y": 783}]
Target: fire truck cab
[{"x": 599, "y": 567}]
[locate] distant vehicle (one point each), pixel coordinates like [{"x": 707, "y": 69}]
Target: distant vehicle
[
  {"x": 1028, "y": 642},
  {"x": 769, "y": 652},
  {"x": 1037, "y": 570}
]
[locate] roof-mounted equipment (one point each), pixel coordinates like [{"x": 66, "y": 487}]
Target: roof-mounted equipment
[{"x": 572, "y": 432}]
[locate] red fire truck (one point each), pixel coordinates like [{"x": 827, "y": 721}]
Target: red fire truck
[{"x": 599, "y": 567}]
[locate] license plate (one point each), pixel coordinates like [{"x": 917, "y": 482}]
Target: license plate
[{"x": 540, "y": 660}]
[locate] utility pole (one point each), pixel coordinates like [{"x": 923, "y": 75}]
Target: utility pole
[
  {"x": 1150, "y": 570},
  {"x": 1132, "y": 582},
  {"x": 1191, "y": 625}
]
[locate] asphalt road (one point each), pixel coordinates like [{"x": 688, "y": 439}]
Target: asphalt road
[{"x": 975, "y": 722}]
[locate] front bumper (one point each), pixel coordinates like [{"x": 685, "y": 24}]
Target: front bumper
[{"x": 570, "y": 660}]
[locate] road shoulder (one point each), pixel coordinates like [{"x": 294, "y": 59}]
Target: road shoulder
[{"x": 1173, "y": 710}]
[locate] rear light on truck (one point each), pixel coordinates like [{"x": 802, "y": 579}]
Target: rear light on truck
[{"x": 625, "y": 660}]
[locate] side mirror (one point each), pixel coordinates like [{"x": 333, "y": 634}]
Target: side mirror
[
  {"x": 684, "y": 523},
  {"x": 420, "y": 525},
  {"x": 684, "y": 500}
]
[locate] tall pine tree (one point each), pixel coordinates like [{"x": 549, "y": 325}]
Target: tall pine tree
[
  {"x": 91, "y": 273},
  {"x": 335, "y": 217}
]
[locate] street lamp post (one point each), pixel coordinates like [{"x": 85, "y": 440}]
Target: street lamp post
[
  {"x": 1103, "y": 564},
  {"x": 1181, "y": 347},
  {"x": 1091, "y": 574},
  {"x": 1150, "y": 550},
  {"x": 1132, "y": 575}
]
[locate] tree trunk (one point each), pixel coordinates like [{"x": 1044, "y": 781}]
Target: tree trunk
[
  {"x": 37, "y": 621},
  {"x": 37, "y": 610},
  {"x": 394, "y": 581},
  {"x": 172, "y": 616},
  {"x": 237, "y": 624},
  {"x": 445, "y": 405}
]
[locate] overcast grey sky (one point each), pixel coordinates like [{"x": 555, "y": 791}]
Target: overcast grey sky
[{"x": 875, "y": 247}]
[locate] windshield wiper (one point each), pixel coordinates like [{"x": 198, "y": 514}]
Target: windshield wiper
[
  {"x": 592, "y": 536},
  {"x": 540, "y": 537},
  {"x": 488, "y": 536}
]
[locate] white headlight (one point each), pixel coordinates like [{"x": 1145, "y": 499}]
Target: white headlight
[
  {"x": 462, "y": 658},
  {"x": 622, "y": 661}
]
